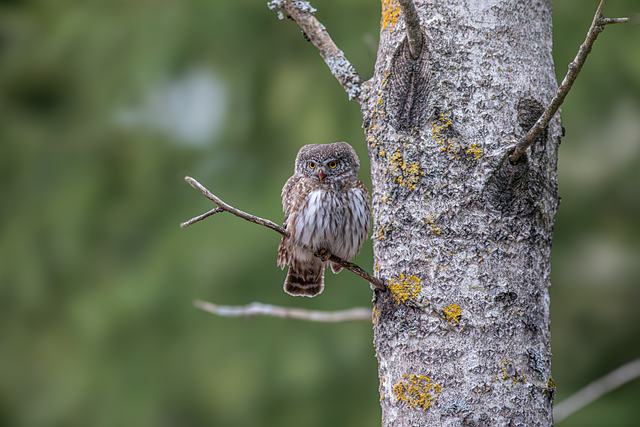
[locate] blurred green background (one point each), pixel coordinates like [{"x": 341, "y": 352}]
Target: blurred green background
[{"x": 106, "y": 105}]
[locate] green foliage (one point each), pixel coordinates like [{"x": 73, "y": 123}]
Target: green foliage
[{"x": 96, "y": 278}]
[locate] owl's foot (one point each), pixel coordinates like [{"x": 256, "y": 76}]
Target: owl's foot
[{"x": 323, "y": 254}]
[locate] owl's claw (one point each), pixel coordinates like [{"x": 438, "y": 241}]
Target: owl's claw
[{"x": 323, "y": 254}]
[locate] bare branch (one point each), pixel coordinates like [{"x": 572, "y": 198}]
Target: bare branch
[
  {"x": 259, "y": 309},
  {"x": 597, "y": 26},
  {"x": 223, "y": 207},
  {"x": 303, "y": 14},
  {"x": 596, "y": 389},
  {"x": 414, "y": 33},
  {"x": 201, "y": 217}
]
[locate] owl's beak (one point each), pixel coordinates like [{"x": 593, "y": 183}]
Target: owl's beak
[{"x": 321, "y": 174}]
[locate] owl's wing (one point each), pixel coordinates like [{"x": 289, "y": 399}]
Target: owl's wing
[
  {"x": 288, "y": 204},
  {"x": 367, "y": 207},
  {"x": 289, "y": 196}
]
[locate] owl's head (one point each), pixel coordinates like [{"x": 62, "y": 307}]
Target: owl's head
[{"x": 327, "y": 163}]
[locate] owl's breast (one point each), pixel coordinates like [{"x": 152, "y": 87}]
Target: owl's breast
[{"x": 334, "y": 220}]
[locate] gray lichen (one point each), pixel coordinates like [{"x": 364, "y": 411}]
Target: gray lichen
[
  {"x": 302, "y": 6},
  {"x": 537, "y": 361},
  {"x": 454, "y": 407},
  {"x": 346, "y": 74}
]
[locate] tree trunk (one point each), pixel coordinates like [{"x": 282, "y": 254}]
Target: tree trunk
[{"x": 461, "y": 235}]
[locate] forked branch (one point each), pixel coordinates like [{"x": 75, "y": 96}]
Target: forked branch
[
  {"x": 597, "y": 26},
  {"x": 259, "y": 309},
  {"x": 303, "y": 14},
  {"x": 223, "y": 207}
]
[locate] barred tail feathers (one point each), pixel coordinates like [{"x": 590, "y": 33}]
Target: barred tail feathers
[{"x": 305, "y": 277}]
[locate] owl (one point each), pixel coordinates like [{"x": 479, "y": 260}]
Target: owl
[{"x": 326, "y": 209}]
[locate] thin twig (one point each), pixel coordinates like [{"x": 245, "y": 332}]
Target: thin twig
[
  {"x": 412, "y": 21},
  {"x": 223, "y": 207},
  {"x": 596, "y": 389},
  {"x": 201, "y": 217},
  {"x": 597, "y": 26},
  {"x": 303, "y": 14},
  {"x": 259, "y": 309}
]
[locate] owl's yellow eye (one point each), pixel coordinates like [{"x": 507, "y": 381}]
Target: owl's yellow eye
[
  {"x": 332, "y": 164},
  {"x": 312, "y": 165}
]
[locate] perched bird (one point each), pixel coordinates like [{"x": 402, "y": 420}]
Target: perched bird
[{"x": 326, "y": 209}]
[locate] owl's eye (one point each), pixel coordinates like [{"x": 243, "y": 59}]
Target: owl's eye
[
  {"x": 312, "y": 165},
  {"x": 332, "y": 164}
]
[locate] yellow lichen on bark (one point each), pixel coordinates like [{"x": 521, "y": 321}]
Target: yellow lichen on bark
[
  {"x": 452, "y": 145},
  {"x": 417, "y": 391},
  {"x": 438, "y": 129},
  {"x": 404, "y": 289},
  {"x": 452, "y": 313},
  {"x": 390, "y": 13},
  {"x": 407, "y": 174},
  {"x": 381, "y": 231},
  {"x": 475, "y": 151},
  {"x": 431, "y": 226}
]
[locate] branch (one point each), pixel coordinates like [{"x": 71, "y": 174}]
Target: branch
[
  {"x": 223, "y": 207},
  {"x": 259, "y": 309},
  {"x": 596, "y": 389},
  {"x": 303, "y": 14},
  {"x": 414, "y": 33},
  {"x": 597, "y": 26}
]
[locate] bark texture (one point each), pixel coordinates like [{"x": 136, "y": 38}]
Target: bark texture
[{"x": 461, "y": 235}]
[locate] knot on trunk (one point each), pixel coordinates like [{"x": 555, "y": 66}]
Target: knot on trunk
[{"x": 408, "y": 83}]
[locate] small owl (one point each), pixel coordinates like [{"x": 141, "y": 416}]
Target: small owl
[{"x": 326, "y": 209}]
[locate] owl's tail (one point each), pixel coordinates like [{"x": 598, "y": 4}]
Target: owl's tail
[
  {"x": 305, "y": 276},
  {"x": 305, "y": 279}
]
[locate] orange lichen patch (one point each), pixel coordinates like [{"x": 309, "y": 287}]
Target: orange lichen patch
[
  {"x": 438, "y": 132},
  {"x": 452, "y": 313},
  {"x": 372, "y": 130},
  {"x": 404, "y": 173},
  {"x": 417, "y": 391},
  {"x": 404, "y": 289},
  {"x": 375, "y": 314},
  {"x": 475, "y": 151},
  {"x": 377, "y": 110},
  {"x": 390, "y": 13},
  {"x": 483, "y": 388},
  {"x": 504, "y": 373},
  {"x": 381, "y": 231},
  {"x": 381, "y": 387},
  {"x": 437, "y": 128},
  {"x": 432, "y": 227},
  {"x": 380, "y": 102},
  {"x": 452, "y": 145}
]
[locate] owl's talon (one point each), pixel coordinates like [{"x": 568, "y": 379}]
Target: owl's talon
[{"x": 324, "y": 254}]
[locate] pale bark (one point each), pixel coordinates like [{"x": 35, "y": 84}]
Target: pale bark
[
  {"x": 461, "y": 236},
  {"x": 258, "y": 309}
]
